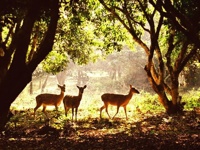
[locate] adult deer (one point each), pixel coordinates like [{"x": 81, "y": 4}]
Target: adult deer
[
  {"x": 117, "y": 100},
  {"x": 47, "y": 99},
  {"x": 73, "y": 102}
]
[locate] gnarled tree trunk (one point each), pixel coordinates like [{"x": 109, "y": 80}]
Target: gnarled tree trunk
[{"x": 20, "y": 71}]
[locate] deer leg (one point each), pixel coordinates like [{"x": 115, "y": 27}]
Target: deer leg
[
  {"x": 107, "y": 111},
  {"x": 56, "y": 107},
  {"x": 44, "y": 111},
  {"x": 125, "y": 112},
  {"x": 116, "y": 112},
  {"x": 101, "y": 110},
  {"x": 65, "y": 108},
  {"x": 66, "y": 111},
  {"x": 37, "y": 106},
  {"x": 76, "y": 110},
  {"x": 72, "y": 113}
]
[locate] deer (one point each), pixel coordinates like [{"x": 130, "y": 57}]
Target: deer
[
  {"x": 73, "y": 102},
  {"x": 47, "y": 99},
  {"x": 118, "y": 100}
]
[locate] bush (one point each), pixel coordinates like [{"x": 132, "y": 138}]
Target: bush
[{"x": 192, "y": 99}]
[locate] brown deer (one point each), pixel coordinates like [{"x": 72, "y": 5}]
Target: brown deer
[
  {"x": 117, "y": 100},
  {"x": 73, "y": 102},
  {"x": 47, "y": 99}
]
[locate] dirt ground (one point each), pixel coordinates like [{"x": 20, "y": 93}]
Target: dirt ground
[{"x": 180, "y": 132}]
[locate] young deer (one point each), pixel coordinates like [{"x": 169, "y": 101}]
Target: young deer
[
  {"x": 47, "y": 99},
  {"x": 73, "y": 102},
  {"x": 117, "y": 100}
]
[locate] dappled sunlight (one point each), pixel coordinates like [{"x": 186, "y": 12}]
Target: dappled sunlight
[
  {"x": 147, "y": 123},
  {"x": 139, "y": 60},
  {"x": 95, "y": 133}
]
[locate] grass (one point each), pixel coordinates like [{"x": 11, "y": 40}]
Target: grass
[
  {"x": 148, "y": 127},
  {"x": 147, "y": 123},
  {"x": 192, "y": 99},
  {"x": 141, "y": 104}
]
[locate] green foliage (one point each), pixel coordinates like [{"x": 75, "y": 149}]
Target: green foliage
[
  {"x": 85, "y": 32},
  {"x": 75, "y": 33},
  {"x": 55, "y": 62},
  {"x": 192, "y": 99},
  {"x": 148, "y": 102}
]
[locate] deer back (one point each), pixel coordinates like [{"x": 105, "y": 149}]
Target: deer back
[
  {"x": 51, "y": 99},
  {"x": 118, "y": 99}
]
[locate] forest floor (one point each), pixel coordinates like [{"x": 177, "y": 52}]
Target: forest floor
[{"x": 150, "y": 131}]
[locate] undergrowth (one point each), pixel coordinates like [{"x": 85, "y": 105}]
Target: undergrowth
[{"x": 141, "y": 106}]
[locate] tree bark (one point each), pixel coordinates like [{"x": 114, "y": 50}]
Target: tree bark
[
  {"x": 20, "y": 72},
  {"x": 10, "y": 88}
]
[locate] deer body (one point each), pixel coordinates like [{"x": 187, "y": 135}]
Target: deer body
[
  {"x": 117, "y": 100},
  {"x": 47, "y": 99},
  {"x": 73, "y": 102}
]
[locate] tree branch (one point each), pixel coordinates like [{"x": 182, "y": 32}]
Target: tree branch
[
  {"x": 129, "y": 28},
  {"x": 48, "y": 41}
]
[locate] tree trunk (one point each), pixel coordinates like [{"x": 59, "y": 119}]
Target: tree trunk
[
  {"x": 61, "y": 76},
  {"x": 10, "y": 88},
  {"x": 20, "y": 71},
  {"x": 174, "y": 106},
  {"x": 31, "y": 88},
  {"x": 45, "y": 83},
  {"x": 4, "y": 114}
]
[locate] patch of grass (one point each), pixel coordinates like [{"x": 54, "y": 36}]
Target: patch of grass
[
  {"x": 141, "y": 106},
  {"x": 147, "y": 102},
  {"x": 147, "y": 124},
  {"x": 192, "y": 99}
]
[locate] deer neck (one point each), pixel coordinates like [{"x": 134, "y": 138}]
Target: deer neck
[
  {"x": 61, "y": 94},
  {"x": 80, "y": 95},
  {"x": 130, "y": 94}
]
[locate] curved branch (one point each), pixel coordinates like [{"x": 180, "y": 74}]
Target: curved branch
[
  {"x": 187, "y": 58},
  {"x": 183, "y": 25},
  {"x": 48, "y": 41},
  {"x": 129, "y": 28},
  {"x": 131, "y": 18}
]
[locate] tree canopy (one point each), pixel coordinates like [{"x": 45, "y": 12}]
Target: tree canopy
[
  {"x": 168, "y": 49},
  {"x": 183, "y": 14}
]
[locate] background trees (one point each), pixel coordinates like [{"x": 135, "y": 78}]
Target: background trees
[
  {"x": 168, "y": 50},
  {"x": 28, "y": 32}
]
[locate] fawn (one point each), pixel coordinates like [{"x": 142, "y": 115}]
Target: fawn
[
  {"x": 117, "y": 100},
  {"x": 47, "y": 99},
  {"x": 73, "y": 102}
]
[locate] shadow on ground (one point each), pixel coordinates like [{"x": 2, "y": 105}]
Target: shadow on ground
[{"x": 179, "y": 132}]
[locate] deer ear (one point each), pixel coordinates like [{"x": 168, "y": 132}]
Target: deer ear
[
  {"x": 85, "y": 86},
  {"x": 130, "y": 86}
]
